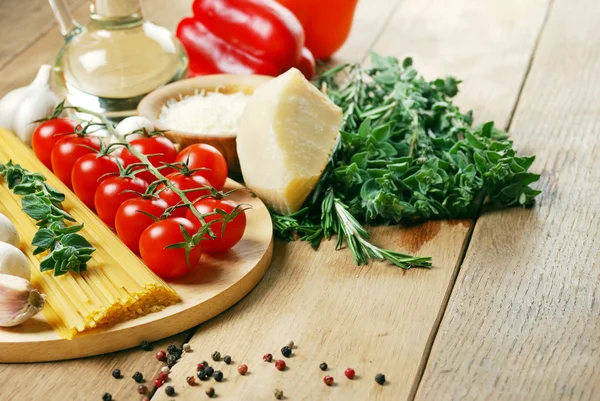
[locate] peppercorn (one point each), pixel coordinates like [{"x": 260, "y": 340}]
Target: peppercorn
[
  {"x": 209, "y": 371},
  {"x": 158, "y": 382},
  {"x": 286, "y": 351},
  {"x": 106, "y": 397},
  {"x": 163, "y": 376},
  {"x": 190, "y": 380},
  {"x": 279, "y": 364},
  {"x": 172, "y": 360},
  {"x": 171, "y": 349},
  {"x": 205, "y": 364},
  {"x": 218, "y": 375},
  {"x": 350, "y": 373},
  {"x": 291, "y": 344},
  {"x": 145, "y": 398},
  {"x": 216, "y": 356},
  {"x": 142, "y": 389},
  {"x": 116, "y": 373},
  {"x": 202, "y": 375},
  {"x": 187, "y": 347},
  {"x": 278, "y": 394},
  {"x": 165, "y": 369},
  {"x": 210, "y": 392},
  {"x": 380, "y": 378},
  {"x": 138, "y": 377},
  {"x": 227, "y": 359},
  {"x": 323, "y": 366},
  {"x": 267, "y": 357},
  {"x": 161, "y": 355},
  {"x": 242, "y": 369},
  {"x": 328, "y": 380},
  {"x": 146, "y": 346},
  {"x": 200, "y": 366},
  {"x": 170, "y": 391}
]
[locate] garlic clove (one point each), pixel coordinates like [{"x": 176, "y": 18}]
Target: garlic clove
[
  {"x": 19, "y": 301},
  {"x": 13, "y": 262},
  {"x": 9, "y": 106},
  {"x": 8, "y": 232}
]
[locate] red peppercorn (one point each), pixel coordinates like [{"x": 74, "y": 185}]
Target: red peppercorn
[
  {"x": 328, "y": 380},
  {"x": 158, "y": 382},
  {"x": 242, "y": 369},
  {"x": 267, "y": 357},
  {"x": 279, "y": 364},
  {"x": 163, "y": 376},
  {"x": 350, "y": 373},
  {"x": 190, "y": 380},
  {"x": 200, "y": 366},
  {"x": 161, "y": 355}
]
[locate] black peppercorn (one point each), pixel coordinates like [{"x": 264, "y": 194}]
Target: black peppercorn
[
  {"x": 227, "y": 359},
  {"x": 116, "y": 373},
  {"x": 146, "y": 346},
  {"x": 172, "y": 349},
  {"x": 216, "y": 356},
  {"x": 209, "y": 371},
  {"x": 380, "y": 378},
  {"x": 218, "y": 375},
  {"x": 170, "y": 390},
  {"x": 210, "y": 392},
  {"x": 171, "y": 360},
  {"x": 202, "y": 375},
  {"x": 106, "y": 397},
  {"x": 323, "y": 366},
  {"x": 138, "y": 377},
  {"x": 286, "y": 351}
]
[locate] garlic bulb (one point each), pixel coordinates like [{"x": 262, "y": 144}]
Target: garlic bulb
[
  {"x": 20, "y": 107},
  {"x": 13, "y": 262},
  {"x": 129, "y": 125},
  {"x": 18, "y": 300},
  {"x": 8, "y": 232}
]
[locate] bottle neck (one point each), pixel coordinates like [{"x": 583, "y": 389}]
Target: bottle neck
[{"x": 116, "y": 12}]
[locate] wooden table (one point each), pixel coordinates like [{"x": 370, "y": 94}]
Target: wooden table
[{"x": 511, "y": 309}]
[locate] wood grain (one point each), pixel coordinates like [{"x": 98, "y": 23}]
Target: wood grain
[
  {"x": 524, "y": 320},
  {"x": 375, "y": 318}
]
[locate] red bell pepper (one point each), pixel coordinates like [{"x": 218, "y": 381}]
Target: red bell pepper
[{"x": 243, "y": 37}]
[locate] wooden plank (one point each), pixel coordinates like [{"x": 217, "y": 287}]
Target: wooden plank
[
  {"x": 524, "y": 320},
  {"x": 375, "y": 318},
  {"x": 24, "y": 22}
]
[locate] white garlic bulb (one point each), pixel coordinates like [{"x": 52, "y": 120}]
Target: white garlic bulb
[
  {"x": 8, "y": 232},
  {"x": 19, "y": 301},
  {"x": 138, "y": 124},
  {"x": 20, "y": 107}
]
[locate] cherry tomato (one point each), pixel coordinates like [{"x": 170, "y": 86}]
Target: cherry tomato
[
  {"x": 47, "y": 134},
  {"x": 201, "y": 155},
  {"x": 163, "y": 148},
  {"x": 234, "y": 229},
  {"x": 109, "y": 196},
  {"x": 168, "y": 263},
  {"x": 130, "y": 223},
  {"x": 183, "y": 182},
  {"x": 67, "y": 150},
  {"x": 88, "y": 172},
  {"x": 306, "y": 64}
]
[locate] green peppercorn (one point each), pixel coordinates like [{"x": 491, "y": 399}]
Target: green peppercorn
[
  {"x": 278, "y": 394},
  {"x": 170, "y": 391},
  {"x": 227, "y": 359},
  {"x": 380, "y": 378},
  {"x": 216, "y": 356},
  {"x": 138, "y": 377},
  {"x": 116, "y": 373},
  {"x": 106, "y": 397},
  {"x": 323, "y": 366},
  {"x": 146, "y": 346},
  {"x": 210, "y": 392},
  {"x": 286, "y": 351},
  {"x": 218, "y": 375}
]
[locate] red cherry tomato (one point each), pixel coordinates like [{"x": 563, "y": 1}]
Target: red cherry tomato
[
  {"x": 168, "y": 263},
  {"x": 234, "y": 229},
  {"x": 183, "y": 182},
  {"x": 201, "y": 155},
  {"x": 88, "y": 172},
  {"x": 109, "y": 196},
  {"x": 306, "y": 64},
  {"x": 130, "y": 223},
  {"x": 47, "y": 134},
  {"x": 162, "y": 147},
  {"x": 67, "y": 150}
]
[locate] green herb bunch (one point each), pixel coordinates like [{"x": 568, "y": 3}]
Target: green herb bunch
[
  {"x": 68, "y": 250},
  {"x": 406, "y": 153}
]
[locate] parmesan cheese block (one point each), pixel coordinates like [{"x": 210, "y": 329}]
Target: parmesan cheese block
[{"x": 285, "y": 138}]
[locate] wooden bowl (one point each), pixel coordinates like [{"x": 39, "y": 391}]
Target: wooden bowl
[{"x": 151, "y": 107}]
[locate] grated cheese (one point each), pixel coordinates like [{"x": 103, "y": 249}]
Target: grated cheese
[{"x": 212, "y": 113}]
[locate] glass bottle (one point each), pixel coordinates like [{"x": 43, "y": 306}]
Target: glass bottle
[{"x": 110, "y": 64}]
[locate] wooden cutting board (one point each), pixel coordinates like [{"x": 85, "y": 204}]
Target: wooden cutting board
[{"x": 219, "y": 282}]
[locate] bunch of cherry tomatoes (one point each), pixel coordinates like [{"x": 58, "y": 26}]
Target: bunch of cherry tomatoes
[{"x": 126, "y": 196}]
